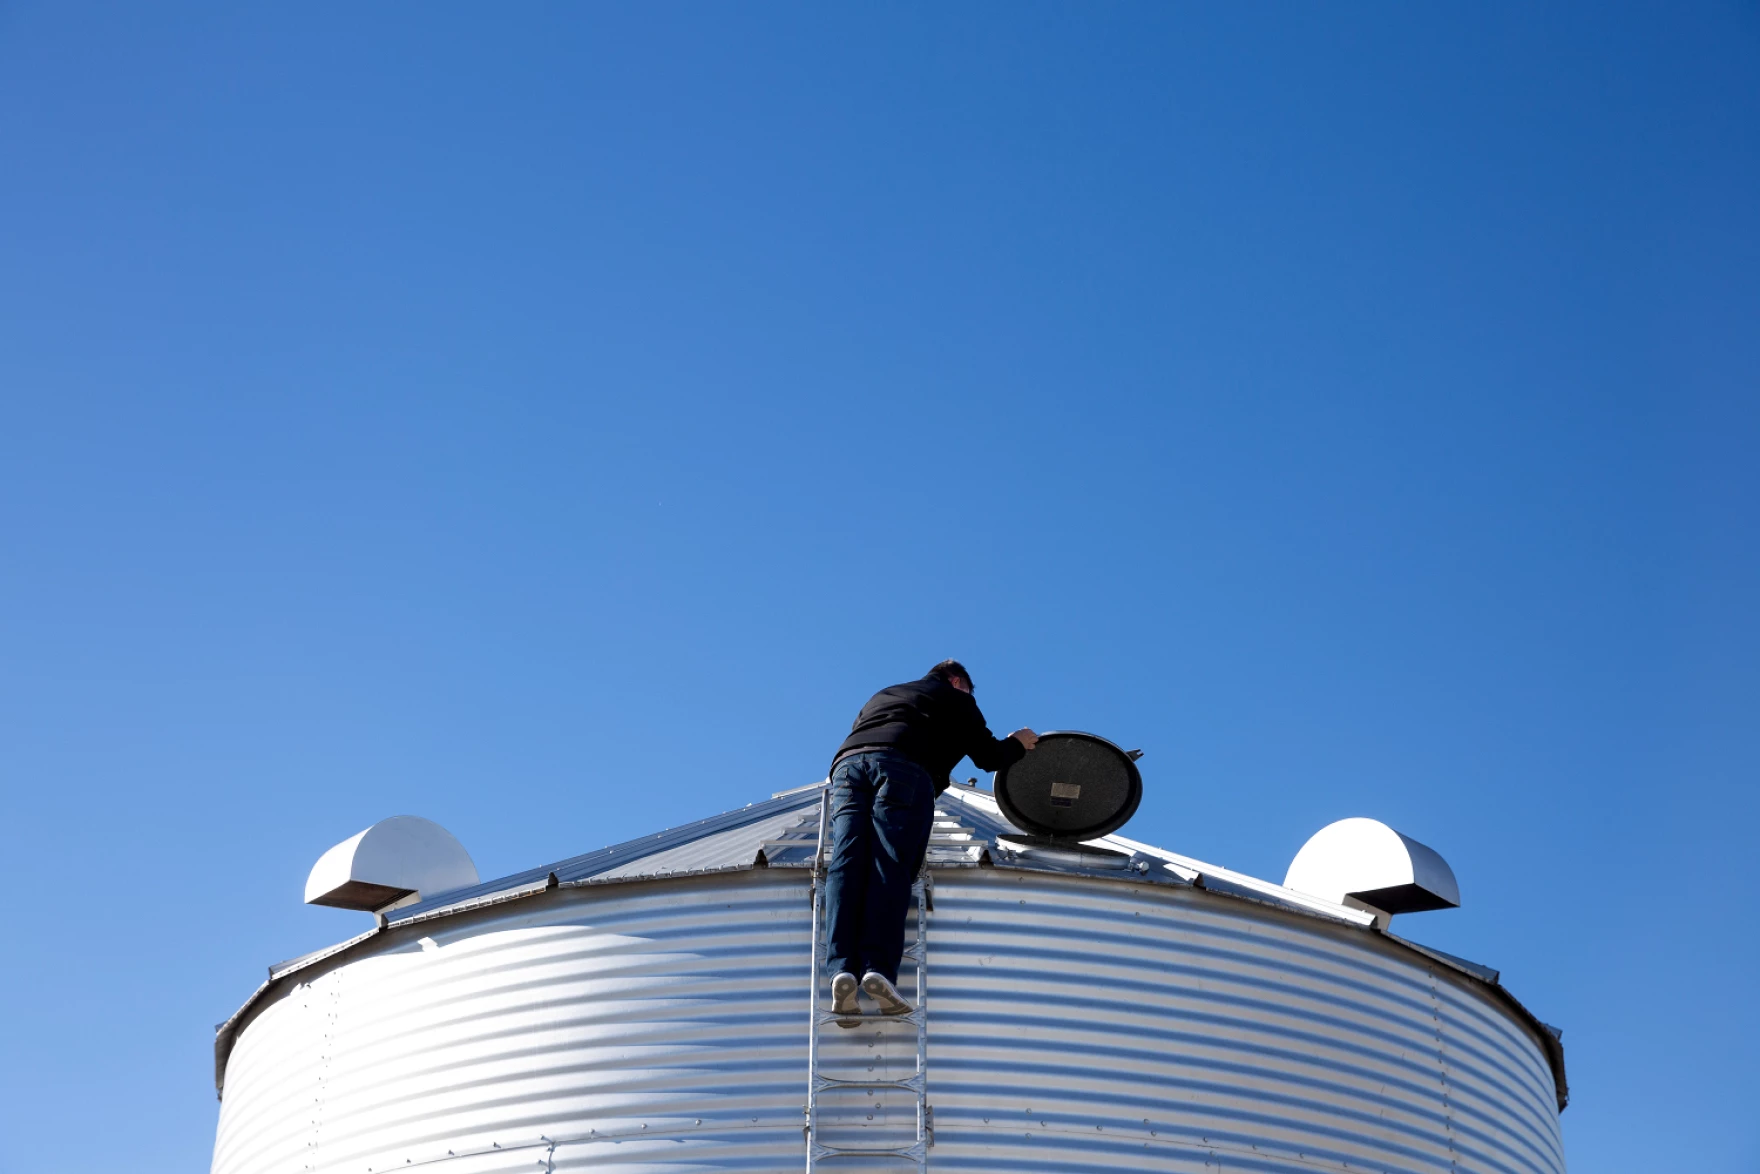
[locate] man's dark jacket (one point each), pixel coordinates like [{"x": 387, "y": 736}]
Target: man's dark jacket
[{"x": 932, "y": 724}]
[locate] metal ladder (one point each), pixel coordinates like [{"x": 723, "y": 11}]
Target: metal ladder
[{"x": 916, "y": 1152}]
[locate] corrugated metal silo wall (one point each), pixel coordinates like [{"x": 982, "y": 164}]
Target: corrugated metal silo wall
[{"x": 1075, "y": 1025}]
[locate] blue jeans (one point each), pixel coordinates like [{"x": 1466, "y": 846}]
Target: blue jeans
[{"x": 882, "y": 805}]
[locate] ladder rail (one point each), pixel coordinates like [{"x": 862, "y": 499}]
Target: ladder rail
[
  {"x": 813, "y": 979},
  {"x": 925, "y": 1133}
]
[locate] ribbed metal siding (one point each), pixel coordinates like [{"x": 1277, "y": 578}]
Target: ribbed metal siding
[
  {"x": 653, "y": 1008},
  {"x": 1098, "y": 1021},
  {"x": 1076, "y": 1025}
]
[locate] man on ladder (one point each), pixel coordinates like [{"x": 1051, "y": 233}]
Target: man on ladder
[{"x": 884, "y": 780}]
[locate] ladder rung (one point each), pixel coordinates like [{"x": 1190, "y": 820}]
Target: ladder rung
[
  {"x": 910, "y": 1016},
  {"x": 909, "y": 1083},
  {"x": 829, "y": 1151}
]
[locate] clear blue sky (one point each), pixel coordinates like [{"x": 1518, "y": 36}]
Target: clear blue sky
[{"x": 555, "y": 421}]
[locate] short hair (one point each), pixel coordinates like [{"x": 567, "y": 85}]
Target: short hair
[{"x": 949, "y": 669}]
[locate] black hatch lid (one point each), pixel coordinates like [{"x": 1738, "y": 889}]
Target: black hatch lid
[{"x": 1072, "y": 786}]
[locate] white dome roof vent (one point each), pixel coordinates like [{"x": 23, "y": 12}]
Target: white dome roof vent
[
  {"x": 1365, "y": 864},
  {"x": 395, "y": 862}
]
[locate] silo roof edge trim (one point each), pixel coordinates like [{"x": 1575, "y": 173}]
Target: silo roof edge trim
[
  {"x": 282, "y": 969},
  {"x": 496, "y": 898},
  {"x": 1479, "y": 971}
]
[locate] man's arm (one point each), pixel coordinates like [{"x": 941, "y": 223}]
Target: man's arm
[{"x": 987, "y": 751}]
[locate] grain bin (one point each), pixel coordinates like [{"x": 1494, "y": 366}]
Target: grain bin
[{"x": 1101, "y": 1006}]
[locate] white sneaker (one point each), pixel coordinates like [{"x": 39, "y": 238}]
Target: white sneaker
[
  {"x": 843, "y": 999},
  {"x": 881, "y": 990}
]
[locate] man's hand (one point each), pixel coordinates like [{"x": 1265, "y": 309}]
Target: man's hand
[{"x": 1026, "y": 738}]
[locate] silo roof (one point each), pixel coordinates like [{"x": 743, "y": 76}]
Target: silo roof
[
  {"x": 970, "y": 831},
  {"x": 729, "y": 840}
]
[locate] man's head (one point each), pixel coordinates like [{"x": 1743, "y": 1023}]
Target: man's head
[{"x": 954, "y": 673}]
